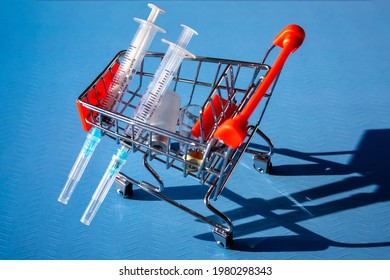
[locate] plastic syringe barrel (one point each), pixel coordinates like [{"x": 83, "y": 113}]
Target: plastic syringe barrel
[
  {"x": 105, "y": 184},
  {"x": 162, "y": 78},
  {"x": 132, "y": 58},
  {"x": 123, "y": 77},
  {"x": 90, "y": 144}
]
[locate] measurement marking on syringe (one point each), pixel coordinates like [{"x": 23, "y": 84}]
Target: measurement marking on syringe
[
  {"x": 160, "y": 82},
  {"x": 121, "y": 81}
]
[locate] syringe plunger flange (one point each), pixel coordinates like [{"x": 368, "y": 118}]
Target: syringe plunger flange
[
  {"x": 154, "y": 13},
  {"x": 185, "y": 36},
  {"x": 182, "y": 41}
]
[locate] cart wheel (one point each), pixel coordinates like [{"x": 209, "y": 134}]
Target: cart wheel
[
  {"x": 229, "y": 242},
  {"x": 262, "y": 163},
  {"x": 222, "y": 238},
  {"x": 126, "y": 191},
  {"x": 269, "y": 167}
]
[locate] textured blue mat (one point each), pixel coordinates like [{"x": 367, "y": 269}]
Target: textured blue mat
[{"x": 328, "y": 196}]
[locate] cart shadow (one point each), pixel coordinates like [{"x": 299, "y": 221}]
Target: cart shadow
[{"x": 368, "y": 167}]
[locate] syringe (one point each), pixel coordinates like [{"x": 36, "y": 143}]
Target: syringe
[
  {"x": 132, "y": 58},
  {"x": 144, "y": 111},
  {"x": 123, "y": 77},
  {"x": 162, "y": 78}
]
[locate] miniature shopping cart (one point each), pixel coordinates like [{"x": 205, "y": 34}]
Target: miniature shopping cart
[{"x": 226, "y": 91}]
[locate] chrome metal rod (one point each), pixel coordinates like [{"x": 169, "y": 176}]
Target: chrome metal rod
[{"x": 124, "y": 180}]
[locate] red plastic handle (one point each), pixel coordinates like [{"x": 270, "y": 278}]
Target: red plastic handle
[
  {"x": 208, "y": 117},
  {"x": 234, "y": 131},
  {"x": 292, "y": 34}
]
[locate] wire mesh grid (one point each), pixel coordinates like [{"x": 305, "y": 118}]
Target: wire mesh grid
[{"x": 217, "y": 84}]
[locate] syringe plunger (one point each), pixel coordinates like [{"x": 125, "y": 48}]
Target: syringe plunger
[
  {"x": 132, "y": 59},
  {"x": 154, "y": 13},
  {"x": 185, "y": 36},
  {"x": 161, "y": 80}
]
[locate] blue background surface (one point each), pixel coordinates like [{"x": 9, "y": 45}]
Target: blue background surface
[{"x": 329, "y": 119}]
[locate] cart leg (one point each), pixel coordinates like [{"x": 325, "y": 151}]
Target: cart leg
[
  {"x": 261, "y": 160},
  {"x": 223, "y": 235}
]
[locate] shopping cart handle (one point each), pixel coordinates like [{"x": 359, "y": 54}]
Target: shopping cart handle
[
  {"x": 292, "y": 34},
  {"x": 233, "y": 132}
]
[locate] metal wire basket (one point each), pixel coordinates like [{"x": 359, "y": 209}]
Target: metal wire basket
[{"x": 221, "y": 88}]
